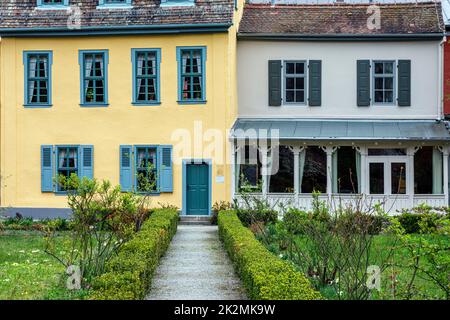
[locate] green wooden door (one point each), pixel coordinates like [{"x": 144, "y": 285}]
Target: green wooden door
[{"x": 197, "y": 188}]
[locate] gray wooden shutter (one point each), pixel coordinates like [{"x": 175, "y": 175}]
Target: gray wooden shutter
[
  {"x": 363, "y": 83},
  {"x": 315, "y": 83},
  {"x": 275, "y": 83},
  {"x": 404, "y": 83}
]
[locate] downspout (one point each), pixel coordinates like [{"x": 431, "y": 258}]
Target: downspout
[{"x": 440, "y": 107}]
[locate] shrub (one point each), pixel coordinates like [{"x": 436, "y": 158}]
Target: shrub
[
  {"x": 294, "y": 220},
  {"x": 264, "y": 276},
  {"x": 249, "y": 216},
  {"x": 413, "y": 222},
  {"x": 217, "y": 207},
  {"x": 128, "y": 275}
]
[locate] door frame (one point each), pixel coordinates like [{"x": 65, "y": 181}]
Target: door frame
[
  {"x": 387, "y": 160},
  {"x": 187, "y": 162}
]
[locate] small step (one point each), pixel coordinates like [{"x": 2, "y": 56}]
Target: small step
[{"x": 195, "y": 220}]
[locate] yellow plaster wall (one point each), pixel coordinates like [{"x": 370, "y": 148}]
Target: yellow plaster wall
[{"x": 24, "y": 130}]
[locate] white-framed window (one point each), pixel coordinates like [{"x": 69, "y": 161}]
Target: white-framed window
[
  {"x": 383, "y": 92},
  {"x": 294, "y": 84}
]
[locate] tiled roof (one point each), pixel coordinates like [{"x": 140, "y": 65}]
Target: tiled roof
[
  {"x": 23, "y": 14},
  {"x": 340, "y": 19}
]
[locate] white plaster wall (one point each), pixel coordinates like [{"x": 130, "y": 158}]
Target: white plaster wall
[{"x": 338, "y": 78}]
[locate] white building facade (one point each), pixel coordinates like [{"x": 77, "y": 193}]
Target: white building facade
[{"x": 351, "y": 111}]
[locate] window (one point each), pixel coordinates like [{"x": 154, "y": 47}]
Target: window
[
  {"x": 348, "y": 170},
  {"x": 383, "y": 75},
  {"x": 52, "y": 3},
  {"x": 282, "y": 181},
  {"x": 294, "y": 82},
  {"x": 428, "y": 171},
  {"x": 65, "y": 160},
  {"x": 37, "y": 79},
  {"x": 146, "y": 76},
  {"x": 249, "y": 173},
  {"x": 94, "y": 75},
  {"x": 67, "y": 163},
  {"x": 191, "y": 62},
  {"x": 176, "y": 3},
  {"x": 387, "y": 152},
  {"x": 114, "y": 3},
  {"x": 146, "y": 169},
  {"x": 314, "y": 177}
]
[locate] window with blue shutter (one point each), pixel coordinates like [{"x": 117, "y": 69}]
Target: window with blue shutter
[
  {"x": 47, "y": 168},
  {"x": 146, "y": 168},
  {"x": 126, "y": 170},
  {"x": 166, "y": 168}
]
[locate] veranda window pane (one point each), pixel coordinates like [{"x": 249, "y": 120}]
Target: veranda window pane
[
  {"x": 314, "y": 171},
  {"x": 376, "y": 174},
  {"x": 283, "y": 180},
  {"x": 398, "y": 178},
  {"x": 347, "y": 173}
]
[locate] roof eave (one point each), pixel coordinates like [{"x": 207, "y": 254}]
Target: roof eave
[
  {"x": 342, "y": 37},
  {"x": 115, "y": 30}
]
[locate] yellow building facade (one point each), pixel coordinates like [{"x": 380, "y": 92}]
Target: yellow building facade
[{"x": 191, "y": 129}]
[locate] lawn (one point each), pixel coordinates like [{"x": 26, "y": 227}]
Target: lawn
[{"x": 27, "y": 272}]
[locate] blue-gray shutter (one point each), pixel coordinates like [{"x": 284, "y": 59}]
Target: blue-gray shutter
[
  {"x": 126, "y": 169},
  {"x": 47, "y": 164},
  {"x": 165, "y": 168},
  {"x": 363, "y": 83},
  {"x": 274, "y": 83},
  {"x": 404, "y": 83},
  {"x": 87, "y": 161},
  {"x": 315, "y": 83}
]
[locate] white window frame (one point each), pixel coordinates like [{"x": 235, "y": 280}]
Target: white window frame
[
  {"x": 394, "y": 83},
  {"x": 305, "y": 102}
]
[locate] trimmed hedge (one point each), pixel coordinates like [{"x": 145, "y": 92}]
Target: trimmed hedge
[
  {"x": 264, "y": 276},
  {"x": 129, "y": 274}
]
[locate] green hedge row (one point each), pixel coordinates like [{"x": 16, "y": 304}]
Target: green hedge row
[
  {"x": 264, "y": 276},
  {"x": 130, "y": 273}
]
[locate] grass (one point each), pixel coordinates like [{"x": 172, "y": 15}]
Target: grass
[{"x": 27, "y": 272}]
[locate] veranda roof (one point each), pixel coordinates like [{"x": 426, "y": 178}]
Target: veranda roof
[{"x": 414, "y": 130}]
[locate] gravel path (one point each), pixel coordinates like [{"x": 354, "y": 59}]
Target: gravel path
[{"x": 196, "y": 267}]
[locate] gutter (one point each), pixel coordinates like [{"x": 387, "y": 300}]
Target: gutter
[
  {"x": 343, "y": 37},
  {"x": 115, "y": 30}
]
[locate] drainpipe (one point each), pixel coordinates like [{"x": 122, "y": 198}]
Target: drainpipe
[{"x": 440, "y": 107}]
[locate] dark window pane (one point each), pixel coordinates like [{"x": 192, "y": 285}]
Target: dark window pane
[
  {"x": 388, "y": 68},
  {"x": 290, "y": 96},
  {"x": 299, "y": 83},
  {"x": 299, "y": 96},
  {"x": 423, "y": 179},
  {"x": 378, "y": 96},
  {"x": 376, "y": 177},
  {"x": 299, "y": 68},
  {"x": 282, "y": 181},
  {"x": 379, "y": 67},
  {"x": 378, "y": 83},
  {"x": 388, "y": 83},
  {"x": 347, "y": 174},
  {"x": 290, "y": 83},
  {"x": 388, "y": 96},
  {"x": 314, "y": 171},
  {"x": 290, "y": 68},
  {"x": 387, "y": 152},
  {"x": 398, "y": 178}
]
